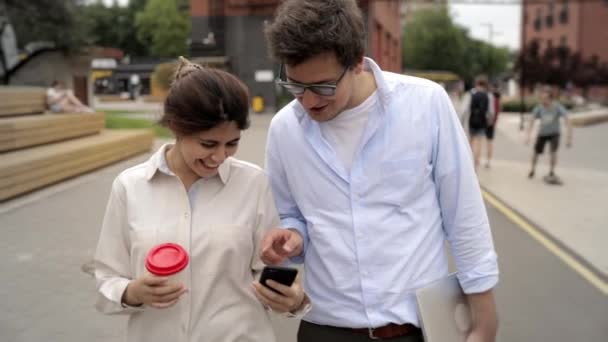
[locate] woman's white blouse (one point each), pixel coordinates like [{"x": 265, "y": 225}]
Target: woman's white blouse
[{"x": 219, "y": 221}]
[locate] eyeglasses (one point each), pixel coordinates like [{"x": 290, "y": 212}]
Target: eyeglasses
[{"x": 297, "y": 89}]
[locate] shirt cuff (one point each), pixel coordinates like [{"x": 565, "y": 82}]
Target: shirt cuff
[
  {"x": 110, "y": 298},
  {"x": 297, "y": 225},
  {"x": 477, "y": 284}
]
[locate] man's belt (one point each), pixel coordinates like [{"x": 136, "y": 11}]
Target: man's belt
[{"x": 389, "y": 331}]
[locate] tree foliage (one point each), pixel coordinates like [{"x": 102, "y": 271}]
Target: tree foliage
[
  {"x": 114, "y": 26},
  {"x": 164, "y": 28},
  {"x": 432, "y": 41},
  {"x": 142, "y": 28},
  {"x": 559, "y": 66},
  {"x": 46, "y": 20}
]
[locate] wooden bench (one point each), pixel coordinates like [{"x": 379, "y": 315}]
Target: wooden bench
[
  {"x": 586, "y": 119},
  {"x": 22, "y": 171},
  {"x": 32, "y": 130},
  {"x": 22, "y": 100}
]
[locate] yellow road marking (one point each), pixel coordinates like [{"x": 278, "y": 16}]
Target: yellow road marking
[{"x": 564, "y": 256}]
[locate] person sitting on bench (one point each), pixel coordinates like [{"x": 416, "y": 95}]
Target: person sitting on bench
[{"x": 61, "y": 100}]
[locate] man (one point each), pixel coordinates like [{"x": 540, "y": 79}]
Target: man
[
  {"x": 495, "y": 97},
  {"x": 549, "y": 112},
  {"x": 371, "y": 173},
  {"x": 479, "y": 116}
]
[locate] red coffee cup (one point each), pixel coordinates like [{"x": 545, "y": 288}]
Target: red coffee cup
[{"x": 166, "y": 259}]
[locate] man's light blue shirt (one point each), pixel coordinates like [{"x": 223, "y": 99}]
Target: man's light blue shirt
[{"x": 375, "y": 234}]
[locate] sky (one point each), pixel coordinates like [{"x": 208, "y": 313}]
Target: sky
[{"x": 504, "y": 19}]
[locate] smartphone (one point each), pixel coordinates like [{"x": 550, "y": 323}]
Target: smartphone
[{"x": 282, "y": 275}]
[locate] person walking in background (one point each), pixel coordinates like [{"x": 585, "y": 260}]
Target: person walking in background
[
  {"x": 59, "y": 99},
  {"x": 216, "y": 207},
  {"x": 548, "y": 112},
  {"x": 491, "y": 129},
  {"x": 478, "y": 117},
  {"x": 372, "y": 173}
]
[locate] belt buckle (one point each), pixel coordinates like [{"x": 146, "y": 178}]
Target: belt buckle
[{"x": 370, "y": 332}]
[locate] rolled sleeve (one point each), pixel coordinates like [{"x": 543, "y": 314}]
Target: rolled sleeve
[
  {"x": 109, "y": 300},
  {"x": 289, "y": 213},
  {"x": 464, "y": 215}
]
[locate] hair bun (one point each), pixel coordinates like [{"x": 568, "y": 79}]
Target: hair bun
[{"x": 185, "y": 67}]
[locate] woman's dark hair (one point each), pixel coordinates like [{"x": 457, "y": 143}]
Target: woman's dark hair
[
  {"x": 303, "y": 29},
  {"x": 202, "y": 98}
]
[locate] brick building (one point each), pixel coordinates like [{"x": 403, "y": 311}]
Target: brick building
[
  {"x": 233, "y": 31},
  {"x": 581, "y": 25}
]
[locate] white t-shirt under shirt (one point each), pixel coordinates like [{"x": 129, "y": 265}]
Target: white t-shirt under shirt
[{"x": 344, "y": 132}]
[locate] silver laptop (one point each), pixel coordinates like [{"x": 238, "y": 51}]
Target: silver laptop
[{"x": 444, "y": 311}]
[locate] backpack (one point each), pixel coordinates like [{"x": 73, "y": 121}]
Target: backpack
[{"x": 479, "y": 110}]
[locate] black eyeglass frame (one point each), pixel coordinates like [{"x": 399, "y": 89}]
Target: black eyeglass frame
[{"x": 322, "y": 89}]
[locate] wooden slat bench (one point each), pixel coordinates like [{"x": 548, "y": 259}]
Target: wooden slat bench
[
  {"x": 22, "y": 171},
  {"x": 31, "y": 130},
  {"x": 22, "y": 100}
]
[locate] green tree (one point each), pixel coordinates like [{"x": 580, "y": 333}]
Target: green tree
[
  {"x": 164, "y": 28},
  {"x": 432, "y": 41},
  {"x": 46, "y": 20},
  {"x": 114, "y": 26}
]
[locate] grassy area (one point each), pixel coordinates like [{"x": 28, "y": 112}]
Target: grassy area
[
  {"x": 119, "y": 111},
  {"x": 114, "y": 120}
]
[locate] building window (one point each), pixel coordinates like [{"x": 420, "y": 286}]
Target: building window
[
  {"x": 538, "y": 22},
  {"x": 549, "y": 19},
  {"x": 563, "y": 14},
  {"x": 563, "y": 42}
]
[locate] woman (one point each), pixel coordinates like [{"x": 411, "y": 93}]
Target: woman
[
  {"x": 61, "y": 100},
  {"x": 215, "y": 206}
]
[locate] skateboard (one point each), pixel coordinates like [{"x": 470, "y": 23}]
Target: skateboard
[{"x": 553, "y": 180}]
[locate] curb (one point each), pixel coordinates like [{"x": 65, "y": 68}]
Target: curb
[{"x": 490, "y": 197}]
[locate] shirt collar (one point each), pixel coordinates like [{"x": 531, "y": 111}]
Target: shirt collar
[
  {"x": 381, "y": 84},
  {"x": 158, "y": 163}
]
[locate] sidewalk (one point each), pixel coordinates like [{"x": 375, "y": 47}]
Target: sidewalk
[
  {"x": 47, "y": 240},
  {"x": 573, "y": 214}
]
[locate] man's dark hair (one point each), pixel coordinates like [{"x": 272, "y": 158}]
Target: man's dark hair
[
  {"x": 202, "y": 98},
  {"x": 303, "y": 29}
]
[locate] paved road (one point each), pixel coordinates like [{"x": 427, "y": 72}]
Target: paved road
[{"x": 47, "y": 236}]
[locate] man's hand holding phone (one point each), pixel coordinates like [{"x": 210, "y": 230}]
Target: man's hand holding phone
[{"x": 280, "y": 244}]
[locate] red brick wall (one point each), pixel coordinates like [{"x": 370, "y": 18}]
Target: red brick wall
[
  {"x": 203, "y": 8},
  {"x": 586, "y": 30},
  {"x": 570, "y": 30},
  {"x": 594, "y": 29},
  {"x": 384, "y": 33}
]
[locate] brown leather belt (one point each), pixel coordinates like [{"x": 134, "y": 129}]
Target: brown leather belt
[{"x": 389, "y": 331}]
